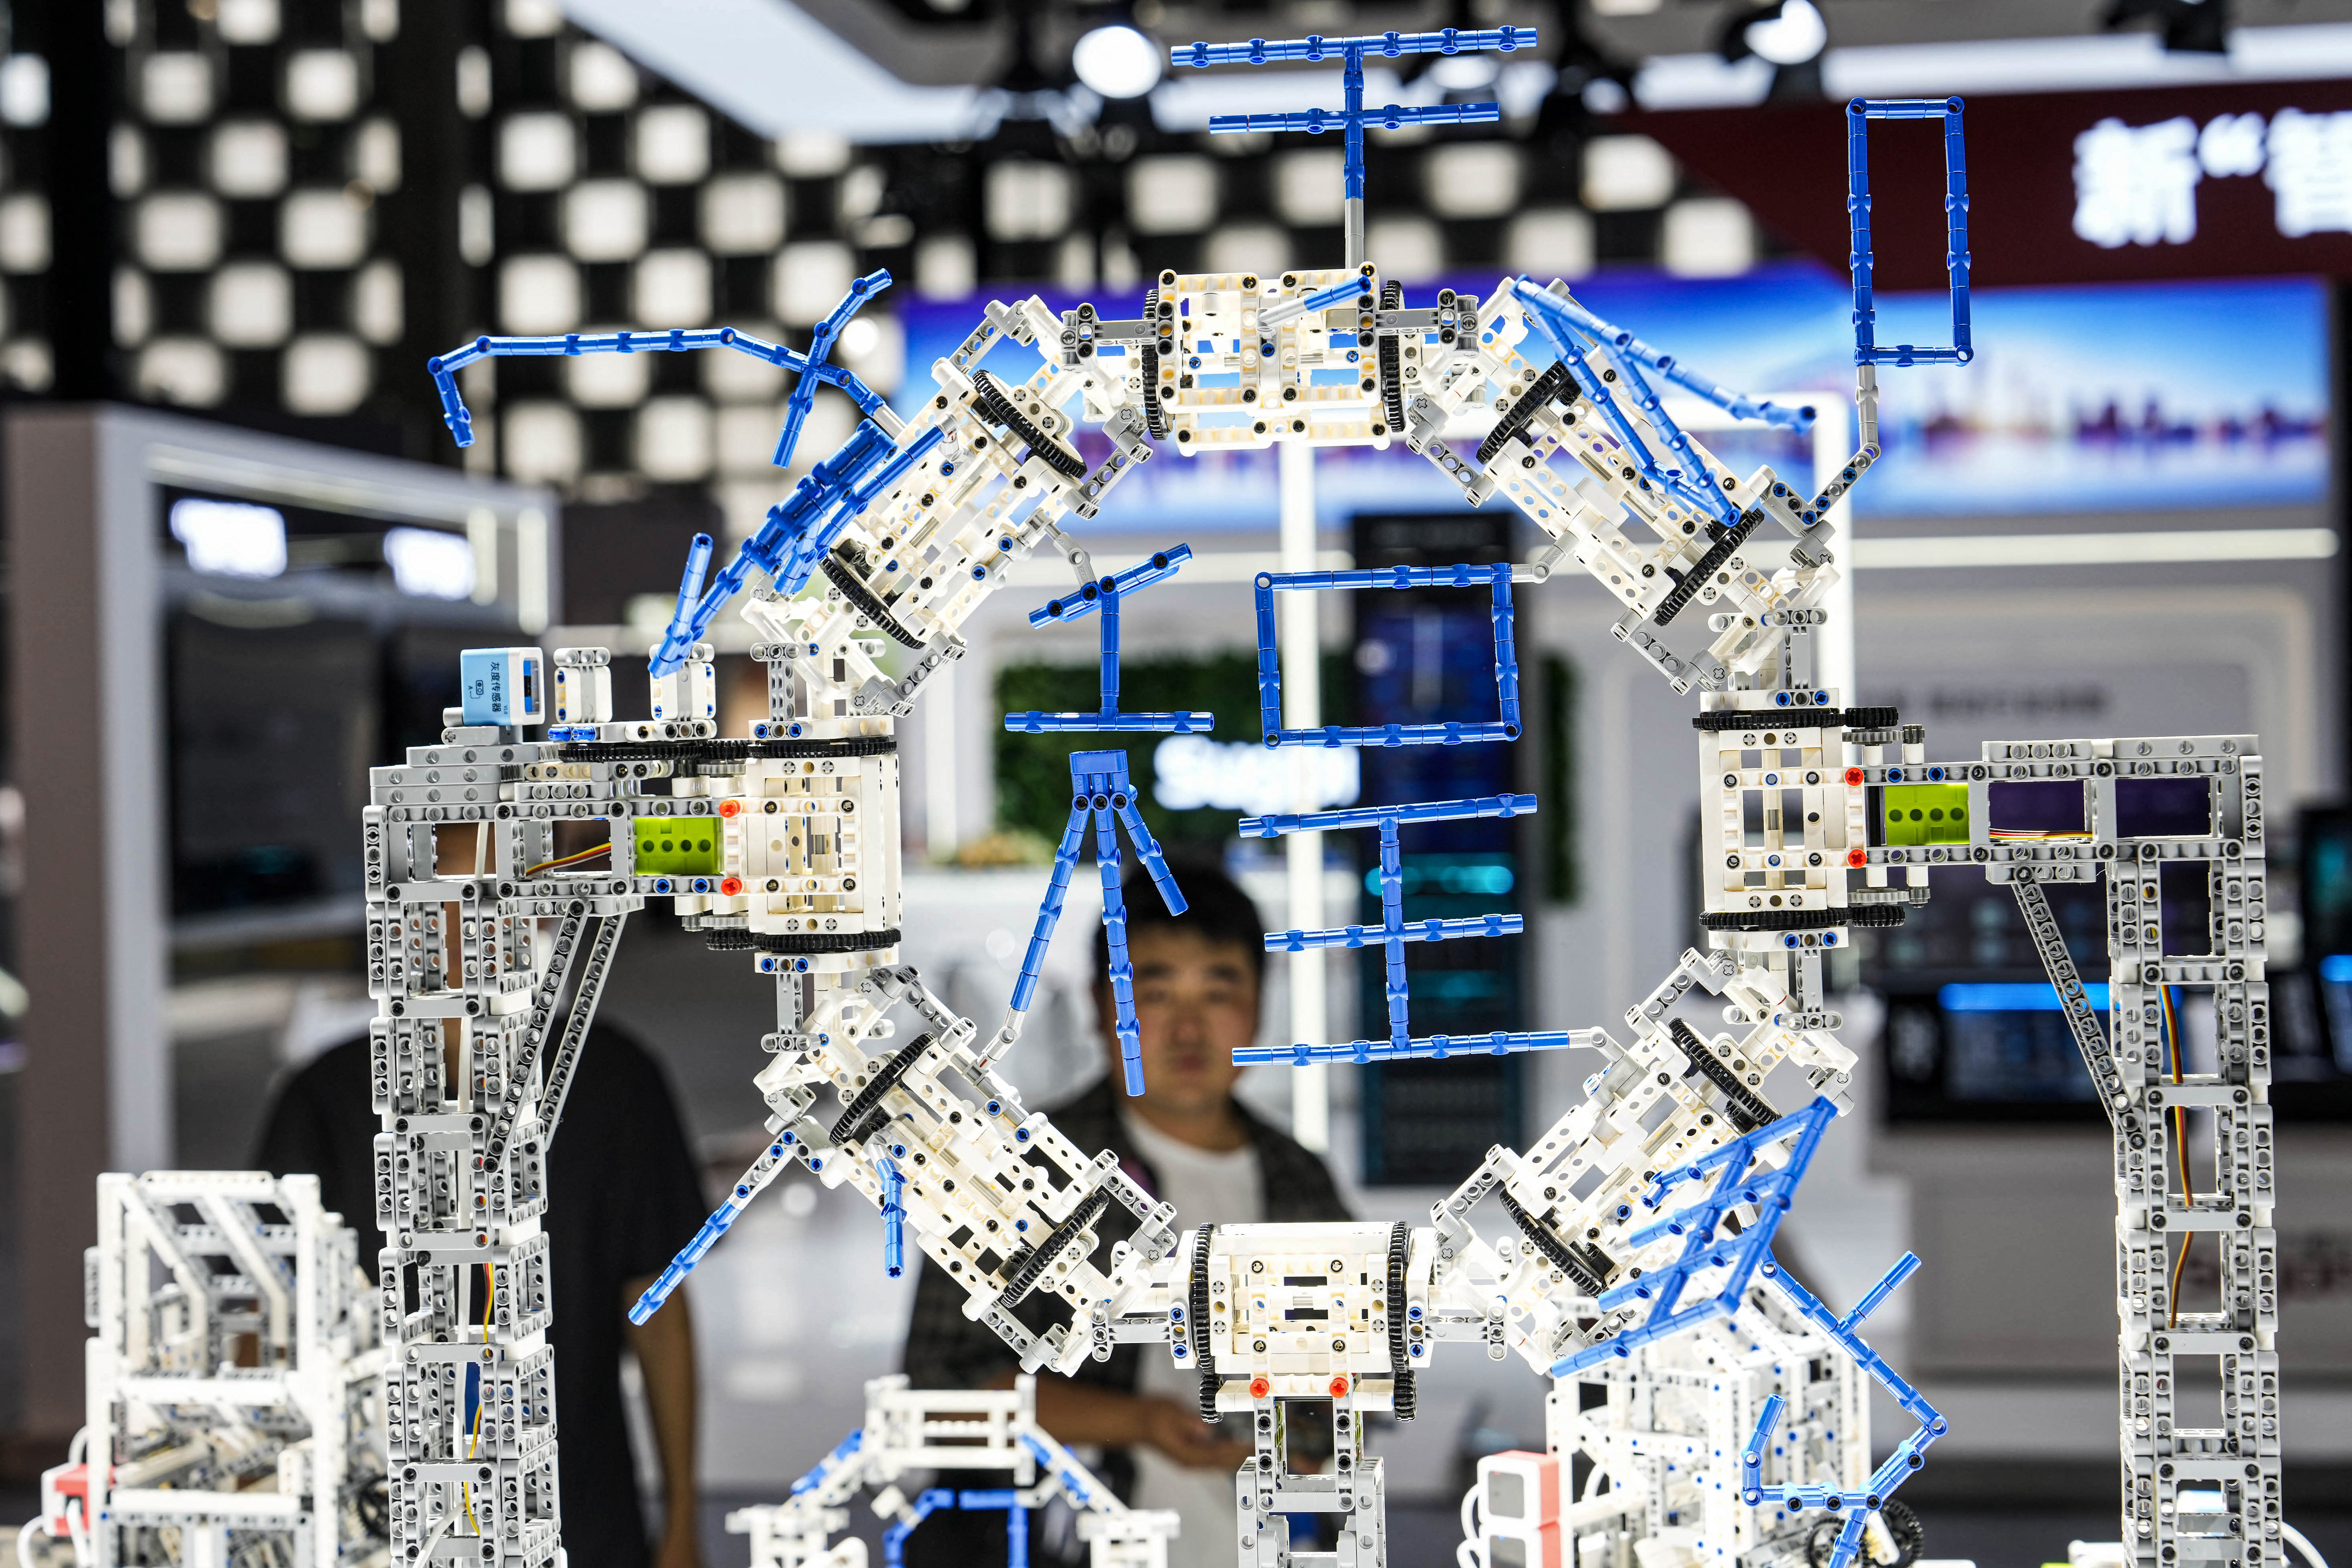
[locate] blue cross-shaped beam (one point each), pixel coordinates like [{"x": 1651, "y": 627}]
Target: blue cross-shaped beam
[
  {"x": 1704, "y": 1249},
  {"x": 1909, "y": 1454},
  {"x": 1103, "y": 595},
  {"x": 1350, "y": 53},
  {"x": 1393, "y": 931},
  {"x": 815, "y": 366}
]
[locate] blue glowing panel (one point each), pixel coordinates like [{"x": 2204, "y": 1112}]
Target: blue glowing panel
[{"x": 2104, "y": 397}]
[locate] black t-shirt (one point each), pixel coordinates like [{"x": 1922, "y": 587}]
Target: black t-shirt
[{"x": 623, "y": 1197}]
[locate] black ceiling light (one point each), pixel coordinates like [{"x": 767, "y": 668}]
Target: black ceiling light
[
  {"x": 2188, "y": 27},
  {"x": 1787, "y": 34},
  {"x": 1568, "y": 112}
]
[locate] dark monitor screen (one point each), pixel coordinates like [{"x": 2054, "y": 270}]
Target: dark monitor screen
[
  {"x": 1426, "y": 655},
  {"x": 302, "y": 648},
  {"x": 1973, "y": 1032}
]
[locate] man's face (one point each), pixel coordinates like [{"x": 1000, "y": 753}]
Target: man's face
[{"x": 1196, "y": 1003}]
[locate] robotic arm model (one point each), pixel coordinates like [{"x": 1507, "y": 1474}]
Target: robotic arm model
[{"x": 1639, "y": 1227}]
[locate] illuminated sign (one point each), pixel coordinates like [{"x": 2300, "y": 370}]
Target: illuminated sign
[
  {"x": 2212, "y": 181},
  {"x": 2136, "y": 185}
]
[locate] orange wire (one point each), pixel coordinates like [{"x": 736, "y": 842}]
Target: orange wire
[
  {"x": 2180, "y": 1143},
  {"x": 481, "y": 1391},
  {"x": 568, "y": 859}
]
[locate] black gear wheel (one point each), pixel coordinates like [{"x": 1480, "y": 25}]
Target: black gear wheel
[
  {"x": 372, "y": 1503},
  {"x": 813, "y": 944},
  {"x": 724, "y": 749},
  {"x": 1821, "y": 1542},
  {"x": 1903, "y": 1525},
  {"x": 1547, "y": 386},
  {"x": 842, "y": 746},
  {"x": 1000, "y": 408},
  {"x": 849, "y": 1130},
  {"x": 696, "y": 750},
  {"x": 1747, "y": 1109},
  {"x": 1155, "y": 416},
  {"x": 1400, "y": 1253},
  {"x": 1392, "y": 361},
  {"x": 844, "y": 577},
  {"x": 1197, "y": 1303},
  {"x": 1551, "y": 1245},
  {"x": 1725, "y": 720},
  {"x": 1026, "y": 1273},
  {"x": 1726, "y": 540},
  {"x": 1863, "y": 916}
]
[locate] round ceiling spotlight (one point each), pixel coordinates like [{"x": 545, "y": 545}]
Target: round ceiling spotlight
[
  {"x": 1118, "y": 61},
  {"x": 1788, "y": 34}
]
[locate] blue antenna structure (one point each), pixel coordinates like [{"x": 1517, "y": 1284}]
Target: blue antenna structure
[
  {"x": 1100, "y": 794},
  {"x": 1909, "y": 1454},
  {"x": 1103, "y": 595},
  {"x": 1350, "y": 53},
  {"x": 798, "y": 529}
]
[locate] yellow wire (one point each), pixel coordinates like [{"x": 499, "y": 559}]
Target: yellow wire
[
  {"x": 2180, "y": 1143},
  {"x": 568, "y": 859},
  {"x": 481, "y": 1396}
]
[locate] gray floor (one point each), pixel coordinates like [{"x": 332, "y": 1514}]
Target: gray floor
[{"x": 1991, "y": 1537}]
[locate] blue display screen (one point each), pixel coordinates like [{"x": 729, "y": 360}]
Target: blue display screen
[{"x": 2108, "y": 397}]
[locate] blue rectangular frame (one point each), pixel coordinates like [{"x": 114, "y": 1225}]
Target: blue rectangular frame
[
  {"x": 1269, "y": 658},
  {"x": 1859, "y": 113}
]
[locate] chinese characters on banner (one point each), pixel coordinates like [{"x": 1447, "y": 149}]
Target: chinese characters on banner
[{"x": 2136, "y": 185}]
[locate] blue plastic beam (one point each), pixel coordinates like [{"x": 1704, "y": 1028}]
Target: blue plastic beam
[
  {"x": 1103, "y": 595},
  {"x": 1393, "y": 933},
  {"x": 1909, "y": 1455},
  {"x": 1102, "y": 797},
  {"x": 811, "y": 367},
  {"x": 1432, "y": 1048},
  {"x": 1390, "y": 46},
  {"x": 1412, "y": 930},
  {"x": 1737, "y": 405},
  {"x": 1350, "y": 53},
  {"x": 1738, "y": 1256},
  {"x": 1859, "y": 113},
  {"x": 762, "y": 1171},
  {"x": 1358, "y": 816},
  {"x": 1454, "y": 733}
]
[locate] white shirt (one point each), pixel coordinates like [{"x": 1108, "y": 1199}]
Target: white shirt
[{"x": 1207, "y": 1188}]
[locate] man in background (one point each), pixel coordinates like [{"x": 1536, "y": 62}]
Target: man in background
[
  {"x": 1197, "y": 979},
  {"x": 623, "y": 1197}
]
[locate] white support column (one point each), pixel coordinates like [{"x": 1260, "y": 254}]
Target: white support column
[
  {"x": 940, "y": 829},
  {"x": 1302, "y": 708},
  {"x": 1833, "y": 655}
]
